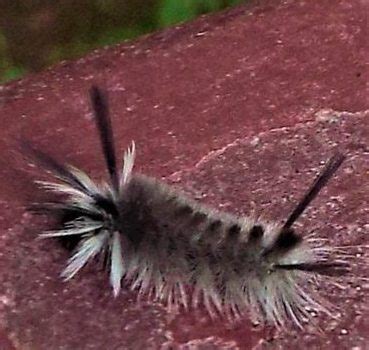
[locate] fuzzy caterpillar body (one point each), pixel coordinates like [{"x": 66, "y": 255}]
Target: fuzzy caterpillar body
[
  {"x": 228, "y": 260},
  {"x": 170, "y": 248}
]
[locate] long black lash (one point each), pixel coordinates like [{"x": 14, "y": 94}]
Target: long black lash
[
  {"x": 103, "y": 123},
  {"x": 52, "y": 165},
  {"x": 331, "y": 167}
]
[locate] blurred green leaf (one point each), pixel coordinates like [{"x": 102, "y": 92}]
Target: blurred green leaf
[
  {"x": 12, "y": 73},
  {"x": 35, "y": 34},
  {"x": 174, "y": 11}
]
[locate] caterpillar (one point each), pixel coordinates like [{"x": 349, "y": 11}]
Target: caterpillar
[{"x": 154, "y": 239}]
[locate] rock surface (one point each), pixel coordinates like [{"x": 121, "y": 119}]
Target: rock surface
[{"x": 239, "y": 109}]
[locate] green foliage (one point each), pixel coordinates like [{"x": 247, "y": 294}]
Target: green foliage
[
  {"x": 173, "y": 11},
  {"x": 13, "y": 73},
  {"x": 36, "y": 34}
]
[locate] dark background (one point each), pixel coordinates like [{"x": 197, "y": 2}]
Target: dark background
[{"x": 37, "y": 33}]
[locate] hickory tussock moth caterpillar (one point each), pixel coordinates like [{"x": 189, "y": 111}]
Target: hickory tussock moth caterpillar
[{"x": 172, "y": 249}]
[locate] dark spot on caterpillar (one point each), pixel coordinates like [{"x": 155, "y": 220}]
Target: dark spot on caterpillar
[
  {"x": 107, "y": 205},
  {"x": 183, "y": 211},
  {"x": 233, "y": 231},
  {"x": 256, "y": 233},
  {"x": 287, "y": 239},
  {"x": 214, "y": 226},
  {"x": 135, "y": 217},
  {"x": 198, "y": 218}
]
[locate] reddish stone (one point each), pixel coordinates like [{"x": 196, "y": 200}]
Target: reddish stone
[{"x": 237, "y": 108}]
